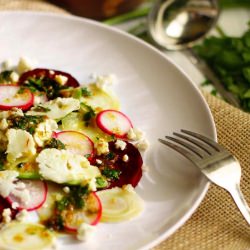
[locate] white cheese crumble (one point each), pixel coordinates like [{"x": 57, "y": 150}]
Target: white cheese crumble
[
  {"x": 62, "y": 80},
  {"x": 98, "y": 161},
  {"x": 104, "y": 81},
  {"x": 62, "y": 166},
  {"x": 15, "y": 205},
  {"x": 22, "y": 215},
  {"x": 135, "y": 134},
  {"x": 92, "y": 185},
  {"x": 7, "y": 182},
  {"x": 24, "y": 65},
  {"x": 142, "y": 145},
  {"x": 6, "y": 215},
  {"x": 125, "y": 158},
  {"x": 66, "y": 190},
  {"x": 101, "y": 146},
  {"x": 25, "y": 146},
  {"x": 14, "y": 76},
  {"x": 119, "y": 144},
  {"x": 85, "y": 231},
  {"x": 44, "y": 131},
  {"x": 7, "y": 65},
  {"x": 58, "y": 108}
]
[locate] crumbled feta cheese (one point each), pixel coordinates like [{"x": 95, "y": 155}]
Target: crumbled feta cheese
[
  {"x": 44, "y": 131},
  {"x": 24, "y": 147},
  {"x": 58, "y": 108},
  {"x": 135, "y": 134},
  {"x": 125, "y": 158},
  {"x": 16, "y": 112},
  {"x": 85, "y": 231},
  {"x": 102, "y": 147},
  {"x": 129, "y": 188},
  {"x": 71, "y": 167},
  {"x": 52, "y": 72},
  {"x": 6, "y": 215},
  {"x": 7, "y": 182},
  {"x": 22, "y": 215},
  {"x": 3, "y": 124},
  {"x": 24, "y": 65},
  {"x": 119, "y": 144},
  {"x": 14, "y": 76},
  {"x": 15, "y": 205},
  {"x": 66, "y": 190},
  {"x": 62, "y": 80},
  {"x": 98, "y": 161},
  {"x": 104, "y": 81},
  {"x": 39, "y": 99},
  {"x": 142, "y": 144}
]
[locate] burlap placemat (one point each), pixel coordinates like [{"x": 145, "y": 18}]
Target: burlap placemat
[{"x": 217, "y": 224}]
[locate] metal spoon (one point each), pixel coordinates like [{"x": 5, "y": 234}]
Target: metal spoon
[{"x": 179, "y": 24}]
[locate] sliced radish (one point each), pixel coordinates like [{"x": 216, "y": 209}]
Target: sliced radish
[
  {"x": 37, "y": 193},
  {"x": 76, "y": 142},
  {"x": 49, "y": 73},
  {"x": 12, "y": 97},
  {"x": 90, "y": 214},
  {"x": 113, "y": 122}
]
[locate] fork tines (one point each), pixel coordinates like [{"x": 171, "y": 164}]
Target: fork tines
[{"x": 192, "y": 145}]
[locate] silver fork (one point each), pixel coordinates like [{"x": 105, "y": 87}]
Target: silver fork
[{"x": 214, "y": 161}]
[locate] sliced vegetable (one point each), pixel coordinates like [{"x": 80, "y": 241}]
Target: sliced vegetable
[
  {"x": 13, "y": 96},
  {"x": 118, "y": 171},
  {"x": 48, "y": 81},
  {"x": 120, "y": 204},
  {"x": 37, "y": 195},
  {"x": 25, "y": 236},
  {"x": 90, "y": 213},
  {"x": 114, "y": 122},
  {"x": 76, "y": 142}
]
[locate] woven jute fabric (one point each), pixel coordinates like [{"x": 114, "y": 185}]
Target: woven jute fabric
[{"x": 217, "y": 224}]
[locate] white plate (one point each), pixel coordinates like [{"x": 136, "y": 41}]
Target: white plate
[{"x": 154, "y": 93}]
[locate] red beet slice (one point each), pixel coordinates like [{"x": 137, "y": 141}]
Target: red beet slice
[
  {"x": 130, "y": 171},
  {"x": 50, "y": 73}
]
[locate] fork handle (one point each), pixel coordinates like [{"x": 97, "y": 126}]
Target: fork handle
[{"x": 240, "y": 202}]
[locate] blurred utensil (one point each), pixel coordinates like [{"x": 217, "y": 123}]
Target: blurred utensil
[{"x": 179, "y": 24}]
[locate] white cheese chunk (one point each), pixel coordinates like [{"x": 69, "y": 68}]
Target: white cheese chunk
[
  {"x": 6, "y": 215},
  {"x": 142, "y": 145},
  {"x": 125, "y": 158},
  {"x": 119, "y": 144},
  {"x": 25, "y": 64},
  {"x": 62, "y": 166},
  {"x": 135, "y": 134},
  {"x": 20, "y": 144},
  {"x": 14, "y": 76},
  {"x": 3, "y": 124},
  {"x": 62, "y": 80},
  {"x": 7, "y": 182},
  {"x": 104, "y": 82},
  {"x": 101, "y": 146},
  {"x": 58, "y": 108},
  {"x": 44, "y": 131},
  {"x": 85, "y": 231}
]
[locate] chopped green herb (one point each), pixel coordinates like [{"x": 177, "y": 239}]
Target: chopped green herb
[
  {"x": 26, "y": 122},
  {"x": 101, "y": 182},
  {"x": 85, "y": 92},
  {"x": 55, "y": 223},
  {"x": 54, "y": 143},
  {"x": 40, "y": 108},
  {"x": 77, "y": 194},
  {"x": 110, "y": 156},
  {"x": 62, "y": 204},
  {"x": 89, "y": 113},
  {"x": 111, "y": 173}
]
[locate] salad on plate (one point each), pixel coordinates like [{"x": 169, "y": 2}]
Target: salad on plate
[{"x": 69, "y": 157}]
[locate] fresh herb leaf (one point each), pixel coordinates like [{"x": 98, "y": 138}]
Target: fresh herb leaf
[
  {"x": 111, "y": 173},
  {"x": 85, "y": 92},
  {"x": 110, "y": 156},
  {"x": 89, "y": 113},
  {"x": 5, "y": 76},
  {"x": 54, "y": 143},
  {"x": 40, "y": 108},
  {"x": 101, "y": 182}
]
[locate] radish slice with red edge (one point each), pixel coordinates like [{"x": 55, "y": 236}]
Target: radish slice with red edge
[
  {"x": 49, "y": 73},
  {"x": 12, "y": 96},
  {"x": 76, "y": 142},
  {"x": 113, "y": 122},
  {"x": 37, "y": 191},
  {"x": 90, "y": 214}
]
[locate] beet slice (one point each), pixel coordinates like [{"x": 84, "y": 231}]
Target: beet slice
[
  {"x": 49, "y": 73},
  {"x": 130, "y": 171}
]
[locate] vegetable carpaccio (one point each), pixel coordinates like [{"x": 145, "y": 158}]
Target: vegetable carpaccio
[{"x": 61, "y": 144}]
